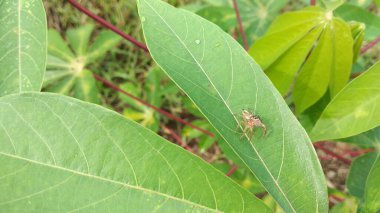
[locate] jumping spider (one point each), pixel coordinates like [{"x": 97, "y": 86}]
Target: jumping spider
[{"x": 249, "y": 122}]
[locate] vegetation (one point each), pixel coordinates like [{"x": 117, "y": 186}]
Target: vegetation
[{"x": 273, "y": 94}]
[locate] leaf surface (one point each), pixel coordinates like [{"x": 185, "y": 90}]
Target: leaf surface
[
  {"x": 312, "y": 43},
  {"x": 358, "y": 174},
  {"x": 372, "y": 189},
  {"x": 82, "y": 157},
  {"x": 22, "y": 46},
  {"x": 221, "y": 79},
  {"x": 354, "y": 110}
]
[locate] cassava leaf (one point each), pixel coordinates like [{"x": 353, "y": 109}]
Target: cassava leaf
[
  {"x": 58, "y": 47},
  {"x": 22, "y": 46},
  {"x": 313, "y": 43},
  {"x": 354, "y": 110},
  {"x": 356, "y": 13},
  {"x": 359, "y": 170},
  {"x": 58, "y": 154},
  {"x": 372, "y": 189},
  {"x": 79, "y": 38},
  {"x": 221, "y": 79}
]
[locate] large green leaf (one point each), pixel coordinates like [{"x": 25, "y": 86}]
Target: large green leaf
[
  {"x": 372, "y": 188},
  {"x": 354, "y": 110},
  {"x": 58, "y": 154},
  {"x": 221, "y": 78},
  {"x": 22, "y": 46},
  {"x": 310, "y": 42}
]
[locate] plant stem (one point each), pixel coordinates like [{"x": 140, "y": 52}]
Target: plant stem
[
  {"x": 241, "y": 29},
  {"x": 107, "y": 25},
  {"x": 232, "y": 170},
  {"x": 177, "y": 138},
  {"x": 162, "y": 112},
  {"x": 370, "y": 45},
  {"x": 331, "y": 153}
]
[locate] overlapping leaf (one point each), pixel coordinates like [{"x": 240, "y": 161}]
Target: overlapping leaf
[
  {"x": 58, "y": 154},
  {"x": 354, "y": 110},
  {"x": 22, "y": 46},
  {"x": 221, "y": 79},
  {"x": 309, "y": 49}
]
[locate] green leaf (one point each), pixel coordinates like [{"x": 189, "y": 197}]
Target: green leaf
[
  {"x": 372, "y": 189},
  {"x": 372, "y": 21},
  {"x": 58, "y": 47},
  {"x": 291, "y": 61},
  {"x": 357, "y": 31},
  {"x": 105, "y": 41},
  {"x": 51, "y": 76},
  {"x": 22, "y": 46},
  {"x": 85, "y": 87},
  {"x": 58, "y": 154},
  {"x": 79, "y": 38},
  {"x": 295, "y": 26},
  {"x": 332, "y": 4},
  {"x": 294, "y": 44},
  {"x": 224, "y": 17},
  {"x": 358, "y": 174},
  {"x": 221, "y": 79},
  {"x": 312, "y": 83},
  {"x": 367, "y": 139},
  {"x": 349, "y": 205},
  {"x": 354, "y": 110}
]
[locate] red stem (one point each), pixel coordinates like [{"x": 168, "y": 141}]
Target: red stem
[
  {"x": 178, "y": 138},
  {"x": 331, "y": 153},
  {"x": 370, "y": 45},
  {"x": 162, "y": 112},
  {"x": 232, "y": 170},
  {"x": 238, "y": 18},
  {"x": 108, "y": 25},
  {"x": 312, "y": 2}
]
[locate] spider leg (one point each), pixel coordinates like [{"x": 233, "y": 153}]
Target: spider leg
[
  {"x": 244, "y": 132},
  {"x": 250, "y": 134},
  {"x": 264, "y": 129}
]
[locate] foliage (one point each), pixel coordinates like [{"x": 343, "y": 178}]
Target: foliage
[
  {"x": 81, "y": 156},
  {"x": 67, "y": 69},
  {"x": 20, "y": 40},
  {"x": 310, "y": 47}
]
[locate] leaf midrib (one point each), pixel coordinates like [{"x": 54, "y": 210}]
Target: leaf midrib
[
  {"x": 200, "y": 66},
  {"x": 74, "y": 172}
]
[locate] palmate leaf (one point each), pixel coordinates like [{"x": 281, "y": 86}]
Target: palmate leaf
[
  {"x": 59, "y": 154},
  {"x": 354, "y": 110},
  {"x": 317, "y": 45},
  {"x": 221, "y": 79},
  {"x": 66, "y": 70},
  {"x": 22, "y": 46}
]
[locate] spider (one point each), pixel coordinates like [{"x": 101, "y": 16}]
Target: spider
[{"x": 249, "y": 122}]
